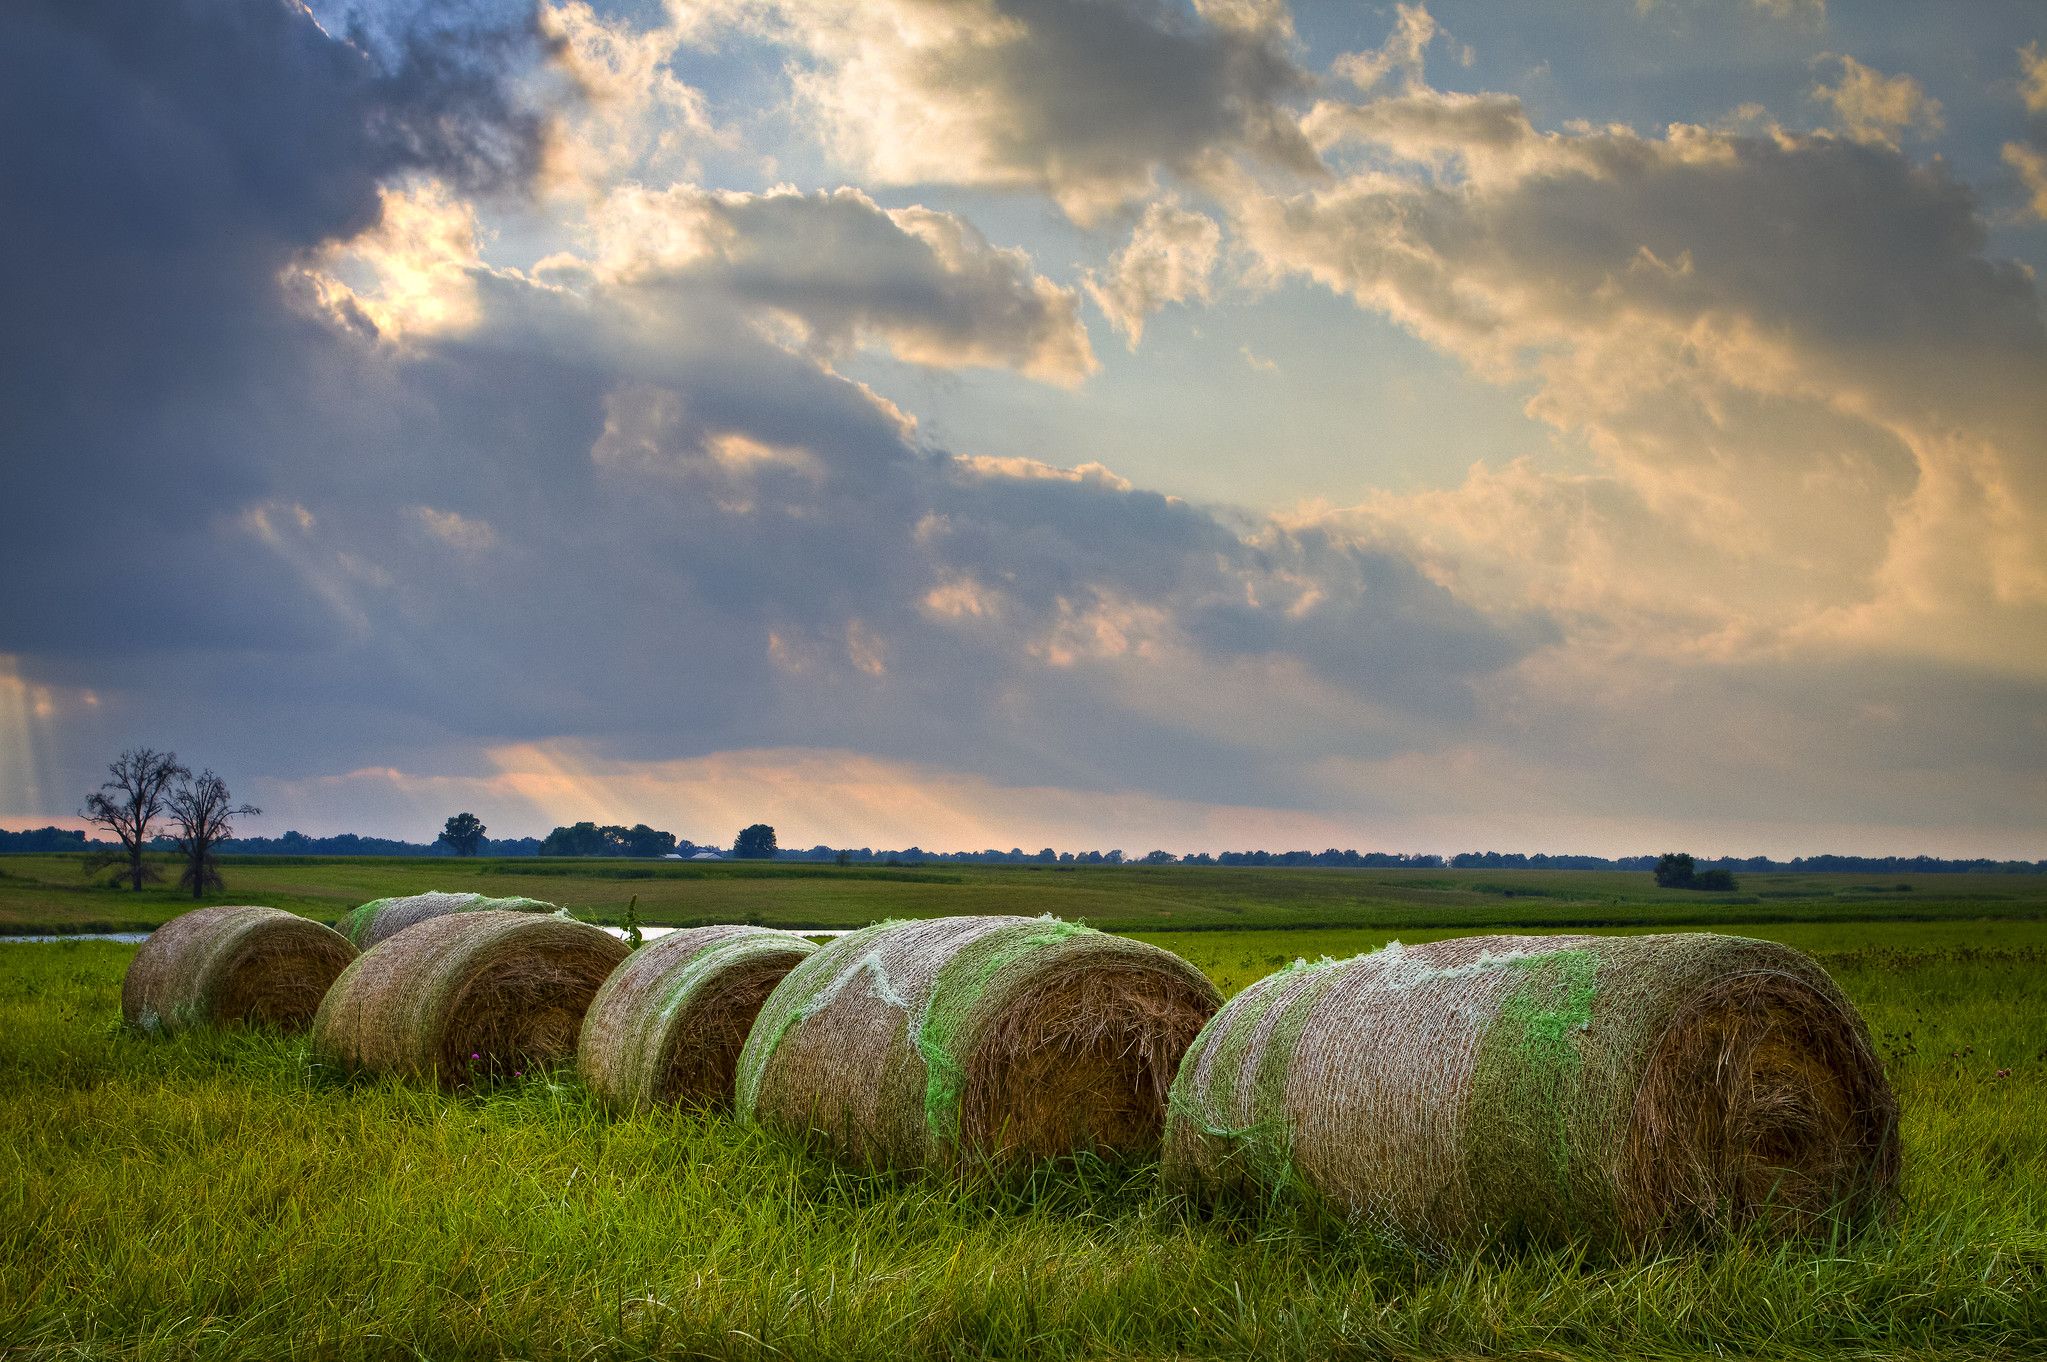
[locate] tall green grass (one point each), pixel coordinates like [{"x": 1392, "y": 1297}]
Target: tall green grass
[{"x": 214, "y": 1196}]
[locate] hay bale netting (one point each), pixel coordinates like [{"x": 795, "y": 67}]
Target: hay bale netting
[
  {"x": 382, "y": 918},
  {"x": 466, "y": 996},
  {"x": 668, "y": 1024},
  {"x": 968, "y": 1039},
  {"x": 233, "y": 965},
  {"x": 1639, "y": 1089}
]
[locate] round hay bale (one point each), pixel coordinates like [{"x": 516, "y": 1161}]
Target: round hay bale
[
  {"x": 232, "y": 965},
  {"x": 1639, "y": 1089},
  {"x": 466, "y": 996},
  {"x": 381, "y": 918},
  {"x": 967, "y": 1040},
  {"x": 668, "y": 1024}
]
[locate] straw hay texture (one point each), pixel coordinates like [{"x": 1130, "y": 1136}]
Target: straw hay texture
[
  {"x": 668, "y": 1024},
  {"x": 382, "y": 918},
  {"x": 467, "y": 996},
  {"x": 973, "y": 1041},
  {"x": 233, "y": 965},
  {"x": 1640, "y": 1089}
]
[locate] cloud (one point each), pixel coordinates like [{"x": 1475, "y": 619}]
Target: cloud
[
  {"x": 456, "y": 530},
  {"x": 629, "y": 112},
  {"x": 840, "y": 272},
  {"x": 2033, "y": 77},
  {"x": 190, "y": 155},
  {"x": 442, "y": 506},
  {"x": 1874, "y": 107},
  {"x": 1169, "y": 259},
  {"x": 620, "y": 527},
  {"x": 1084, "y": 102},
  {"x": 2031, "y": 168},
  {"x": 1813, "y": 11},
  {"x": 1402, "y": 51},
  {"x": 417, "y": 266},
  {"x": 1805, "y": 436},
  {"x": 2028, "y": 159}
]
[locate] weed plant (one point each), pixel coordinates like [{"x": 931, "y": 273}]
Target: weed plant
[{"x": 215, "y": 1196}]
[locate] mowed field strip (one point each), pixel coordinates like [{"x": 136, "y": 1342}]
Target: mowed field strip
[{"x": 48, "y": 893}]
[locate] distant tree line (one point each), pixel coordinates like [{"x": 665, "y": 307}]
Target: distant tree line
[
  {"x": 588, "y": 839},
  {"x": 641, "y": 840},
  {"x": 349, "y": 844}
]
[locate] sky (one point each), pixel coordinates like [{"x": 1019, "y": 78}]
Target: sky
[{"x": 1600, "y": 428}]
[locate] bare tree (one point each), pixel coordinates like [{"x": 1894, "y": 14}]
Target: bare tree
[
  {"x": 128, "y": 806},
  {"x": 200, "y": 818}
]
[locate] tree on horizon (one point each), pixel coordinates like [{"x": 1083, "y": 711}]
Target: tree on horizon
[
  {"x": 140, "y": 779},
  {"x": 201, "y": 816},
  {"x": 756, "y": 843},
  {"x": 464, "y": 832}
]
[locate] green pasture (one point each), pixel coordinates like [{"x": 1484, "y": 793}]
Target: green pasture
[
  {"x": 215, "y": 1196},
  {"x": 49, "y": 894},
  {"x": 1237, "y": 959}
]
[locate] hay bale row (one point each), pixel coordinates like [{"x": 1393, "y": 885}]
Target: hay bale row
[
  {"x": 964, "y": 1040},
  {"x": 1645, "y": 1089},
  {"x": 380, "y": 919},
  {"x": 667, "y": 1026},
  {"x": 232, "y": 965},
  {"x": 466, "y": 996},
  {"x": 1637, "y": 1089}
]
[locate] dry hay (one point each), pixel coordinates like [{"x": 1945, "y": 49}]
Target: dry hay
[
  {"x": 1641, "y": 1089},
  {"x": 382, "y": 918},
  {"x": 466, "y": 996},
  {"x": 668, "y": 1024},
  {"x": 973, "y": 1041},
  {"x": 232, "y": 965}
]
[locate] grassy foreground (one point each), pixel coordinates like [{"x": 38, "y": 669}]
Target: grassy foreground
[{"x": 212, "y": 1196}]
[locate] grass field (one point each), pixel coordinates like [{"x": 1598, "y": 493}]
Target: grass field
[
  {"x": 213, "y": 1196},
  {"x": 48, "y": 893}
]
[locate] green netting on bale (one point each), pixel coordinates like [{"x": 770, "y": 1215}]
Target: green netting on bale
[
  {"x": 962, "y": 986},
  {"x": 1238, "y": 1102},
  {"x": 807, "y": 990},
  {"x": 378, "y": 919},
  {"x": 658, "y": 1019},
  {"x": 1565, "y": 1085},
  {"x": 873, "y": 1042}
]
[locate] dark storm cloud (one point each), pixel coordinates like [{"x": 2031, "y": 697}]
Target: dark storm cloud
[
  {"x": 167, "y": 161},
  {"x": 620, "y": 511},
  {"x": 1083, "y": 101},
  {"x": 926, "y": 285}
]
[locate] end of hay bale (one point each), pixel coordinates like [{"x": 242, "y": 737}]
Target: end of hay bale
[
  {"x": 1632, "y": 1089},
  {"x": 466, "y": 997},
  {"x": 974, "y": 1041},
  {"x": 668, "y": 1025},
  {"x": 233, "y": 965},
  {"x": 379, "y": 919}
]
